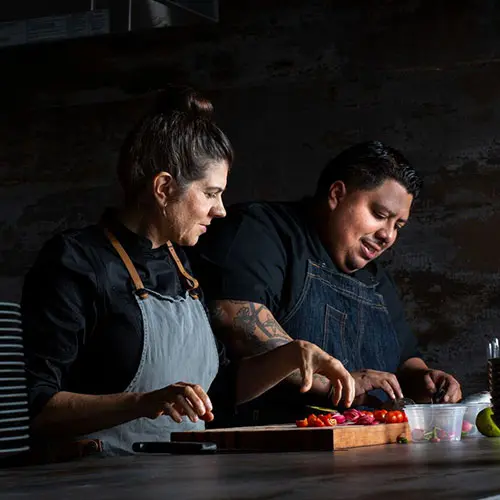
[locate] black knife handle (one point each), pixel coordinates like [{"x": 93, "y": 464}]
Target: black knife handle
[{"x": 174, "y": 447}]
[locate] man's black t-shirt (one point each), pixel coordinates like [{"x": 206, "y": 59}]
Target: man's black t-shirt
[{"x": 259, "y": 253}]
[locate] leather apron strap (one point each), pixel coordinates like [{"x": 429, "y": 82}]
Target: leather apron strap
[
  {"x": 140, "y": 290},
  {"x": 191, "y": 281},
  {"x": 138, "y": 284}
]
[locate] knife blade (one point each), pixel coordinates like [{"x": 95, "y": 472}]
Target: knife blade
[
  {"x": 323, "y": 409},
  {"x": 438, "y": 396}
]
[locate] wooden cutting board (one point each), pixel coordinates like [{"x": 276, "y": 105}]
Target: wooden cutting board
[{"x": 288, "y": 437}]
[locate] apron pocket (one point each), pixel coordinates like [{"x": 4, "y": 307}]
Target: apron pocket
[{"x": 333, "y": 334}]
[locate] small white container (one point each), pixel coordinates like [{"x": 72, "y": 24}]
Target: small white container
[
  {"x": 469, "y": 428},
  {"x": 435, "y": 423}
]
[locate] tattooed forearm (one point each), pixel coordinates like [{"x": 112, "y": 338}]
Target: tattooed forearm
[
  {"x": 261, "y": 332},
  {"x": 253, "y": 316},
  {"x": 259, "y": 346},
  {"x": 245, "y": 320},
  {"x": 249, "y": 327}
]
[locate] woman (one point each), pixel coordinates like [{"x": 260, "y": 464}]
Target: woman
[{"x": 117, "y": 341}]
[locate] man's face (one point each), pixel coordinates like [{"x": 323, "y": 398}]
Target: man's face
[{"x": 361, "y": 224}]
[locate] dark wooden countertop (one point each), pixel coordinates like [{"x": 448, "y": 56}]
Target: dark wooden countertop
[{"x": 467, "y": 469}]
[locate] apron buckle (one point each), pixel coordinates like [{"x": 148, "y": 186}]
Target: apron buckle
[{"x": 142, "y": 293}]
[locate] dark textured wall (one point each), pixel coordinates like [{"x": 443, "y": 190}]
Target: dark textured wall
[{"x": 293, "y": 83}]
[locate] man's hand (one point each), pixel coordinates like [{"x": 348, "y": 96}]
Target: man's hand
[
  {"x": 313, "y": 360},
  {"x": 437, "y": 379},
  {"x": 257, "y": 374},
  {"x": 421, "y": 382},
  {"x": 368, "y": 380}
]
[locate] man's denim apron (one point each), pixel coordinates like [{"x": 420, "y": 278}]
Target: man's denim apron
[{"x": 345, "y": 317}]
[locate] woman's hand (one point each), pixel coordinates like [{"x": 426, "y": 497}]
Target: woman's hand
[
  {"x": 177, "y": 400},
  {"x": 313, "y": 360}
]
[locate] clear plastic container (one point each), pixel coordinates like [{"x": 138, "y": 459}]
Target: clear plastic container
[
  {"x": 435, "y": 423},
  {"x": 469, "y": 428}
]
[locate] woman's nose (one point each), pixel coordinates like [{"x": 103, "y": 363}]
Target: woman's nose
[{"x": 219, "y": 210}]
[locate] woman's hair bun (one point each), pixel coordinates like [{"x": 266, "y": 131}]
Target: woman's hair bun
[{"x": 183, "y": 100}]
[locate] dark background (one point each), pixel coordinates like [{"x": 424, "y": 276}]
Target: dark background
[{"x": 293, "y": 82}]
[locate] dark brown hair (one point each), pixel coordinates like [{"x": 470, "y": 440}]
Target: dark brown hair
[
  {"x": 366, "y": 166},
  {"x": 178, "y": 136}
]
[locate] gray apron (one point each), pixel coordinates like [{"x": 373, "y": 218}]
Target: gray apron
[{"x": 178, "y": 346}]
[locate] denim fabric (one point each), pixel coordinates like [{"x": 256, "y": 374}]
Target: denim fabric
[
  {"x": 178, "y": 346},
  {"x": 346, "y": 318}
]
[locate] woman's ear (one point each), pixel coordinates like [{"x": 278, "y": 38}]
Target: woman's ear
[
  {"x": 336, "y": 194},
  {"x": 163, "y": 188}
]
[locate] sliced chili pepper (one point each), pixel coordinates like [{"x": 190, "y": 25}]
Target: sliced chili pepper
[
  {"x": 325, "y": 420},
  {"x": 311, "y": 419}
]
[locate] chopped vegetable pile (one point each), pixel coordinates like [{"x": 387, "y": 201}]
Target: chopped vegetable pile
[
  {"x": 435, "y": 435},
  {"x": 359, "y": 417}
]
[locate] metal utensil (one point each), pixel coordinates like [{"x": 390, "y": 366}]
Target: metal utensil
[
  {"x": 438, "y": 396},
  {"x": 493, "y": 348},
  {"x": 397, "y": 404},
  {"x": 322, "y": 409}
]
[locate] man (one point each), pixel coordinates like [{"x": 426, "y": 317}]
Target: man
[{"x": 274, "y": 272}]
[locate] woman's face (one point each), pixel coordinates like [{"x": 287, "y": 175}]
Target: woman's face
[{"x": 188, "y": 216}]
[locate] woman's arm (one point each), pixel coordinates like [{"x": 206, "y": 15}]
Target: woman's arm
[{"x": 68, "y": 414}]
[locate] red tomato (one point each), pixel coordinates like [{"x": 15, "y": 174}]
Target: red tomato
[
  {"x": 405, "y": 418},
  {"x": 394, "y": 417},
  {"x": 400, "y": 416},
  {"x": 302, "y": 423},
  {"x": 207, "y": 417},
  {"x": 390, "y": 418},
  {"x": 380, "y": 415}
]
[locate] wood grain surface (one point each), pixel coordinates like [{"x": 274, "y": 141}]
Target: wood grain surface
[{"x": 288, "y": 437}]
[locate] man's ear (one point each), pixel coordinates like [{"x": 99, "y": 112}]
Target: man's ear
[
  {"x": 336, "y": 194},
  {"x": 163, "y": 187}
]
